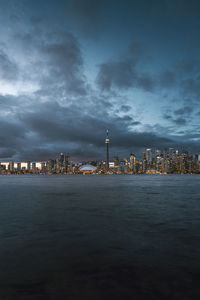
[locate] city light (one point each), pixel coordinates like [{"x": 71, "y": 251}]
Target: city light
[{"x": 152, "y": 162}]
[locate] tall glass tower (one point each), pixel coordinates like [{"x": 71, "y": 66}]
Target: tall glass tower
[{"x": 148, "y": 155}]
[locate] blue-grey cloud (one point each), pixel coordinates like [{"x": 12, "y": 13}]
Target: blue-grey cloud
[
  {"x": 8, "y": 68},
  {"x": 71, "y": 69},
  {"x": 123, "y": 74}
]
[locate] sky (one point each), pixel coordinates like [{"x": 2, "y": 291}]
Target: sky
[{"x": 71, "y": 69}]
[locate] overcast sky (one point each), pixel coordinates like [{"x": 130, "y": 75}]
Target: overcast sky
[{"x": 71, "y": 69}]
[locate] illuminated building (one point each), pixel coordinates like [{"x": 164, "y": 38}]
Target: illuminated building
[
  {"x": 88, "y": 169},
  {"x": 132, "y": 163},
  {"x": 28, "y": 166},
  {"x": 143, "y": 156},
  {"x": 18, "y": 166},
  {"x": 158, "y": 152},
  {"x": 116, "y": 161},
  {"x": 148, "y": 155},
  {"x": 50, "y": 165},
  {"x": 111, "y": 164},
  {"x": 34, "y": 166},
  {"x": 165, "y": 161},
  {"x": 172, "y": 153},
  {"x": 11, "y": 166},
  {"x": 62, "y": 158}
]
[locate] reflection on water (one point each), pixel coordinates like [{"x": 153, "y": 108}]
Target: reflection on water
[{"x": 95, "y": 237}]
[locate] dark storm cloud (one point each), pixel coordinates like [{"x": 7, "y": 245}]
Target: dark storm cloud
[
  {"x": 129, "y": 72},
  {"x": 63, "y": 110},
  {"x": 94, "y": 17},
  {"x": 183, "y": 76},
  {"x": 167, "y": 117},
  {"x": 86, "y": 16},
  {"x": 28, "y": 40},
  {"x": 191, "y": 66},
  {"x": 87, "y": 9},
  {"x": 63, "y": 59},
  {"x": 55, "y": 123},
  {"x": 179, "y": 116},
  {"x": 191, "y": 87},
  {"x": 12, "y": 134},
  {"x": 10, "y": 131},
  {"x": 186, "y": 110},
  {"x": 125, "y": 108},
  {"x": 168, "y": 79},
  {"x": 117, "y": 74},
  {"x": 146, "y": 82},
  {"x": 56, "y": 60},
  {"x": 42, "y": 131},
  {"x": 126, "y": 73},
  {"x": 7, "y": 102},
  {"x": 180, "y": 121},
  {"x": 123, "y": 74},
  {"x": 8, "y": 68},
  {"x": 7, "y": 152},
  {"x": 52, "y": 126},
  {"x": 136, "y": 50}
]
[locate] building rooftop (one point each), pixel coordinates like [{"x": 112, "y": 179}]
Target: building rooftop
[{"x": 87, "y": 168}]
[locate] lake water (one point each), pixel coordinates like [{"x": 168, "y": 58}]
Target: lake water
[{"x": 99, "y": 237}]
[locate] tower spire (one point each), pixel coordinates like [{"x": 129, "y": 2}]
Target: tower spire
[{"x": 107, "y": 150}]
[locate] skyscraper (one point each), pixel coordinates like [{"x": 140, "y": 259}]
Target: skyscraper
[
  {"x": 62, "y": 159},
  {"x": 132, "y": 162},
  {"x": 107, "y": 150},
  {"x": 19, "y": 166},
  {"x": 116, "y": 161},
  {"x": 143, "y": 156},
  {"x": 158, "y": 152},
  {"x": 148, "y": 155},
  {"x": 172, "y": 153}
]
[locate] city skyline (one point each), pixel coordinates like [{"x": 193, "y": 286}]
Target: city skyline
[
  {"x": 168, "y": 161},
  {"x": 107, "y": 155},
  {"x": 70, "y": 69}
]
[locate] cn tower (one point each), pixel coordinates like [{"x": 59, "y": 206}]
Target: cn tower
[{"x": 107, "y": 150}]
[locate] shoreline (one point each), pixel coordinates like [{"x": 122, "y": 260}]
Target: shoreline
[{"x": 74, "y": 174}]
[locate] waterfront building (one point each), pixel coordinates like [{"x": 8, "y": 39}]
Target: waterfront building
[
  {"x": 132, "y": 163},
  {"x": 19, "y": 166},
  {"x": 111, "y": 164},
  {"x": 158, "y": 152},
  {"x": 28, "y": 166},
  {"x": 33, "y": 167},
  {"x": 172, "y": 153},
  {"x": 4, "y": 165},
  {"x": 50, "y": 165},
  {"x": 11, "y": 166},
  {"x": 116, "y": 161},
  {"x": 67, "y": 163},
  {"x": 88, "y": 169},
  {"x": 144, "y": 166},
  {"x": 62, "y": 158},
  {"x": 159, "y": 163},
  {"x": 143, "y": 156},
  {"x": 167, "y": 162},
  {"x": 148, "y": 155}
]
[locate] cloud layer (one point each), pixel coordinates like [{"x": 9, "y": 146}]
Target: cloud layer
[{"x": 70, "y": 71}]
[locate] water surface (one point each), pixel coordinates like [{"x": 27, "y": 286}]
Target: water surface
[{"x": 99, "y": 237}]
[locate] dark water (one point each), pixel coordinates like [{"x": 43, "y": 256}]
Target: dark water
[{"x": 100, "y": 237}]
